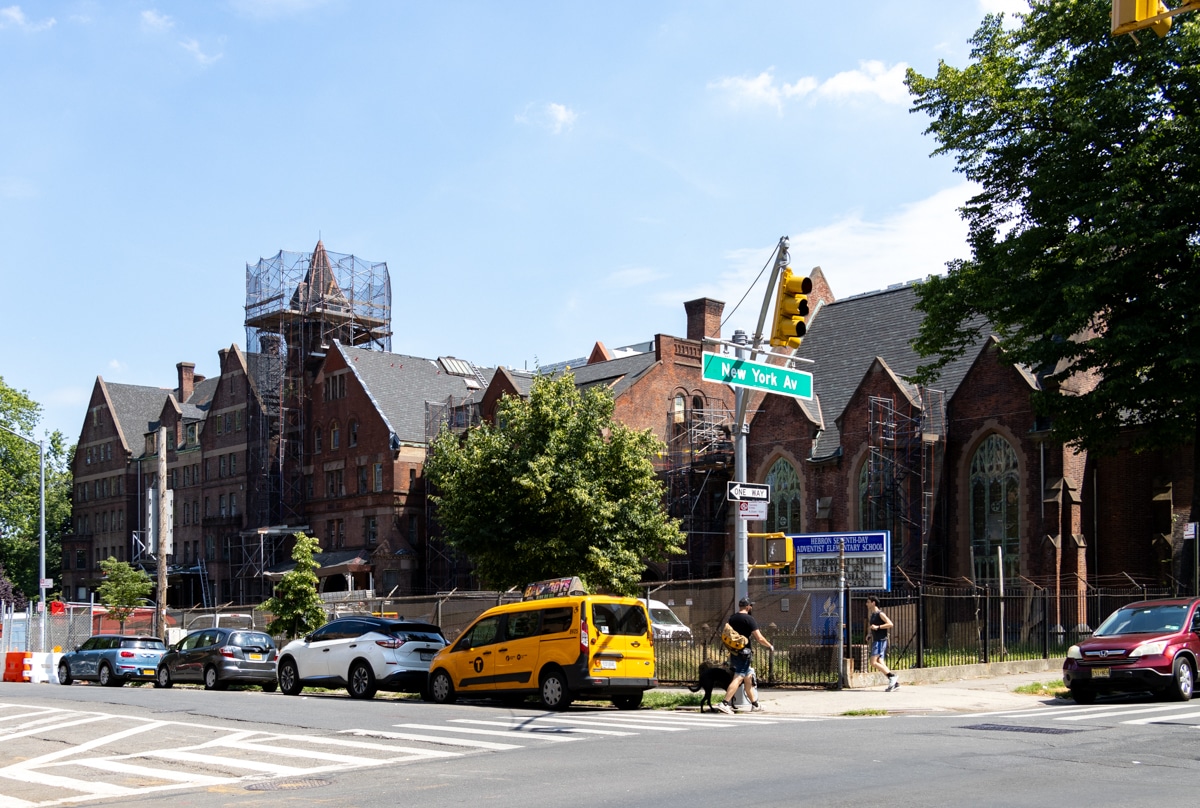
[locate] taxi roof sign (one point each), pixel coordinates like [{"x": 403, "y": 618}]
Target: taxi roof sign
[{"x": 554, "y": 588}]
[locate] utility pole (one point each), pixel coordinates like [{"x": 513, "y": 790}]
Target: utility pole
[
  {"x": 42, "y": 585},
  {"x": 160, "y": 616}
]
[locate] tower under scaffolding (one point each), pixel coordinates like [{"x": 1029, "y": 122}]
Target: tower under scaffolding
[
  {"x": 445, "y": 570},
  {"x": 297, "y": 304},
  {"x": 906, "y": 447},
  {"x": 697, "y": 465}
]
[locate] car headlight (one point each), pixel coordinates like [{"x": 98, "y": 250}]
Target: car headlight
[
  {"x": 1149, "y": 649},
  {"x": 1074, "y": 653}
]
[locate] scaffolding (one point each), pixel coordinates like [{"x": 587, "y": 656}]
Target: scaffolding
[
  {"x": 697, "y": 465},
  {"x": 905, "y": 451},
  {"x": 297, "y": 305},
  {"x": 445, "y": 570}
]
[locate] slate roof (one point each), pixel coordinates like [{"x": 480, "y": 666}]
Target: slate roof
[
  {"x": 618, "y": 375},
  {"x": 846, "y": 338},
  {"x": 136, "y": 409},
  {"x": 399, "y": 386}
]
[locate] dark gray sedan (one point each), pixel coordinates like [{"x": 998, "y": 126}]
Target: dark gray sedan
[
  {"x": 219, "y": 657},
  {"x": 112, "y": 660}
]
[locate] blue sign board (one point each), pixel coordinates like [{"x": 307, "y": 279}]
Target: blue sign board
[{"x": 871, "y": 542}]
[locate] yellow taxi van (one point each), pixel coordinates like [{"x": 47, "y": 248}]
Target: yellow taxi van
[{"x": 558, "y": 644}]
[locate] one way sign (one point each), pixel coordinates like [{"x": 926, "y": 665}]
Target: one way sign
[{"x": 748, "y": 492}]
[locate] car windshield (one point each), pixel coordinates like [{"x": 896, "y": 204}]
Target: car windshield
[
  {"x": 1143, "y": 620},
  {"x": 664, "y": 617},
  {"x": 420, "y": 636},
  {"x": 619, "y": 618},
  {"x": 153, "y": 644},
  {"x": 247, "y": 639}
]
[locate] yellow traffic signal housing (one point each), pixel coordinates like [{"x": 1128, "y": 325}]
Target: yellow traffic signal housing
[
  {"x": 791, "y": 310},
  {"x": 778, "y": 550},
  {"x": 1134, "y": 15}
]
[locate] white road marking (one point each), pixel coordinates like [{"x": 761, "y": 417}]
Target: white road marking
[
  {"x": 503, "y": 733},
  {"x": 528, "y": 722}
]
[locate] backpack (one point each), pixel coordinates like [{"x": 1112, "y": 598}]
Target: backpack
[{"x": 733, "y": 641}]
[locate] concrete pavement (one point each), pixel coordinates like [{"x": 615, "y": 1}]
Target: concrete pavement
[{"x": 974, "y": 688}]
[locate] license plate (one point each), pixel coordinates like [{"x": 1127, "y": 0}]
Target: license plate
[
  {"x": 148, "y": 671},
  {"x": 608, "y": 664},
  {"x": 1100, "y": 673},
  {"x": 427, "y": 656},
  {"x": 256, "y": 657}
]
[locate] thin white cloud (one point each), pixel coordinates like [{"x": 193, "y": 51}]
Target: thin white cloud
[
  {"x": 153, "y": 20},
  {"x": 871, "y": 79},
  {"x": 271, "y": 9},
  {"x": 634, "y": 276},
  {"x": 554, "y": 118},
  {"x": 193, "y": 47},
  {"x": 117, "y": 365},
  {"x": 855, "y": 254},
  {"x": 14, "y": 17}
]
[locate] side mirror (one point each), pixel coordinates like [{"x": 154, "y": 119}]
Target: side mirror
[{"x": 464, "y": 644}]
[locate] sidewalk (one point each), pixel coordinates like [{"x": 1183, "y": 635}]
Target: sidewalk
[{"x": 994, "y": 691}]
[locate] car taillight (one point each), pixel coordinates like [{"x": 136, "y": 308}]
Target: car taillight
[
  {"x": 583, "y": 633},
  {"x": 390, "y": 642},
  {"x": 227, "y": 651},
  {"x": 127, "y": 654}
]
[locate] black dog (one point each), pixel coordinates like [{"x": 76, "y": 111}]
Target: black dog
[{"x": 713, "y": 675}]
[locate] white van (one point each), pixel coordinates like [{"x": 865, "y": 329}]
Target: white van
[{"x": 666, "y": 624}]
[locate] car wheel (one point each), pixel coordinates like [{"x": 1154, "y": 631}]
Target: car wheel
[
  {"x": 289, "y": 678},
  {"x": 441, "y": 688},
  {"x": 64, "y": 673},
  {"x": 211, "y": 680},
  {"x": 269, "y": 687},
  {"x": 1083, "y": 695},
  {"x": 1182, "y": 682},
  {"x": 628, "y": 702},
  {"x": 106, "y": 677},
  {"x": 555, "y": 693},
  {"x": 163, "y": 679},
  {"x": 361, "y": 682}
]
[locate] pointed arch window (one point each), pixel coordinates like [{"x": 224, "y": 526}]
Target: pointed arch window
[
  {"x": 995, "y": 510},
  {"x": 786, "y": 506},
  {"x": 881, "y": 504}
]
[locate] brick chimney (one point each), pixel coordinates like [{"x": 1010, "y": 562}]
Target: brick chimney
[
  {"x": 704, "y": 318},
  {"x": 187, "y": 373}
]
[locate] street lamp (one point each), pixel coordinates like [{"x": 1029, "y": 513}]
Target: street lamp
[{"x": 41, "y": 444}]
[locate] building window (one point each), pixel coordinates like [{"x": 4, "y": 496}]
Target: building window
[
  {"x": 228, "y": 422},
  {"x": 378, "y": 476},
  {"x": 335, "y": 436},
  {"x": 412, "y": 530},
  {"x": 881, "y": 502},
  {"x": 191, "y": 434},
  {"x": 237, "y": 421},
  {"x": 221, "y": 506},
  {"x": 317, "y": 439},
  {"x": 785, "y": 508},
  {"x": 207, "y": 509},
  {"x": 354, "y": 433},
  {"x": 81, "y": 559},
  {"x": 233, "y": 505},
  {"x": 995, "y": 510},
  {"x": 362, "y": 479},
  {"x": 221, "y": 465},
  {"x": 371, "y": 529},
  {"x": 233, "y": 464}
]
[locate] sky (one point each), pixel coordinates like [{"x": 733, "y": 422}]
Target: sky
[{"x": 538, "y": 176}]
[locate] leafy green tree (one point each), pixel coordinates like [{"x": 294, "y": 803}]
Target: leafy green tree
[
  {"x": 1085, "y": 232},
  {"x": 20, "y": 492},
  {"x": 296, "y": 605},
  {"x": 10, "y": 596},
  {"x": 555, "y": 488},
  {"x": 125, "y": 587}
]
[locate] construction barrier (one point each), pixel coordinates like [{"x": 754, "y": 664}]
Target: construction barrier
[{"x": 17, "y": 666}]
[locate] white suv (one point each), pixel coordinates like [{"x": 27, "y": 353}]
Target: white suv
[{"x": 363, "y": 654}]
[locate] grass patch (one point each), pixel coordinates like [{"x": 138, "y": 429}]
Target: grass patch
[
  {"x": 667, "y": 700},
  {"x": 871, "y": 711},
  {"x": 1055, "y": 689}
]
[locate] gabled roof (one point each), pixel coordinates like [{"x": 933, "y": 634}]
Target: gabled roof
[
  {"x": 399, "y": 386},
  {"x": 136, "y": 410},
  {"x": 849, "y": 335},
  {"x": 618, "y": 375},
  {"x": 319, "y": 289}
]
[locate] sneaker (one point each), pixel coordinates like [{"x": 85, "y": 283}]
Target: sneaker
[
  {"x": 892, "y": 685},
  {"x": 725, "y": 707},
  {"x": 754, "y": 708}
]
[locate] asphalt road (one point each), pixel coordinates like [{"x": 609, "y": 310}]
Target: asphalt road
[{"x": 187, "y": 747}]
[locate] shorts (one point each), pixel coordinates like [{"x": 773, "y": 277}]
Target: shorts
[
  {"x": 879, "y": 648},
  {"x": 740, "y": 664}
]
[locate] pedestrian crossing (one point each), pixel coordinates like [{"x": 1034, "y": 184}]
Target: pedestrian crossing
[
  {"x": 1133, "y": 714},
  {"x": 123, "y": 756}
]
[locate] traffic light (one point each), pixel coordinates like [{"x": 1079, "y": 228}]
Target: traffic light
[
  {"x": 778, "y": 550},
  {"x": 791, "y": 310},
  {"x": 1131, "y": 15}
]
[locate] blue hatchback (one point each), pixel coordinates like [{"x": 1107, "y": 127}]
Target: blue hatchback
[{"x": 112, "y": 660}]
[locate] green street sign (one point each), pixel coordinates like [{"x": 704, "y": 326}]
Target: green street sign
[{"x": 757, "y": 376}]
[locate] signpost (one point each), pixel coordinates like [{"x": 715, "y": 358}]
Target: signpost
[
  {"x": 868, "y": 560},
  {"x": 757, "y": 376},
  {"x": 747, "y": 492}
]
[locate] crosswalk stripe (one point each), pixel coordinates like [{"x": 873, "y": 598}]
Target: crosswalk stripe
[
  {"x": 376, "y": 733},
  {"x": 91, "y": 719},
  {"x": 288, "y": 751},
  {"x": 529, "y": 723},
  {"x": 1116, "y": 712},
  {"x": 230, "y": 762},
  {"x": 1154, "y": 719},
  {"x": 409, "y": 736},
  {"x": 611, "y": 723},
  {"x": 96, "y": 788},
  {"x": 469, "y": 731},
  {"x": 120, "y": 766}
]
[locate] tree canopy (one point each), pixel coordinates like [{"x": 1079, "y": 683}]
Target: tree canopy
[
  {"x": 20, "y": 492},
  {"x": 124, "y": 588},
  {"x": 555, "y": 487},
  {"x": 296, "y": 604}
]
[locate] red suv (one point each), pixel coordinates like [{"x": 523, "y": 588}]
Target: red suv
[{"x": 1152, "y": 645}]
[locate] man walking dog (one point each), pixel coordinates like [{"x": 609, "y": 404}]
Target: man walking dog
[
  {"x": 743, "y": 623},
  {"x": 879, "y": 623}
]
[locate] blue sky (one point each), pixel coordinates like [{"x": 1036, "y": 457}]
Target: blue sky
[{"x": 538, "y": 176}]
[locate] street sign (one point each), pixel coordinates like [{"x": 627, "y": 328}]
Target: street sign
[
  {"x": 747, "y": 492},
  {"x": 757, "y": 376},
  {"x": 1189, "y": 530},
  {"x": 752, "y": 511}
]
